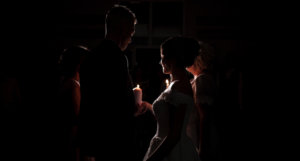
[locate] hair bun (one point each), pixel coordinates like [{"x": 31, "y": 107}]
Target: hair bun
[
  {"x": 183, "y": 49},
  {"x": 191, "y": 51}
]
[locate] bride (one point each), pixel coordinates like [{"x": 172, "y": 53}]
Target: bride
[{"x": 173, "y": 107}]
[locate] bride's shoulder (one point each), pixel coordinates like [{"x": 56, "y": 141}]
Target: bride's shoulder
[
  {"x": 182, "y": 87},
  {"x": 178, "y": 92},
  {"x": 177, "y": 95}
]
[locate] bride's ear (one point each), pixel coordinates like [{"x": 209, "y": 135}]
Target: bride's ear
[{"x": 173, "y": 63}]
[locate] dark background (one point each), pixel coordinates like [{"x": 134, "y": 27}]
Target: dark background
[{"x": 35, "y": 34}]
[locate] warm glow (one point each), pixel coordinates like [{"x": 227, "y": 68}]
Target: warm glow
[
  {"x": 167, "y": 83},
  {"x": 138, "y": 86}
]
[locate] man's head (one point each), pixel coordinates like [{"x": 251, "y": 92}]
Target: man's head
[{"x": 119, "y": 24}]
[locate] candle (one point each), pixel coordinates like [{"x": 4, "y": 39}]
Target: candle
[
  {"x": 167, "y": 83},
  {"x": 137, "y": 92}
]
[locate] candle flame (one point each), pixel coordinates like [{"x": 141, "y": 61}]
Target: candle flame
[
  {"x": 138, "y": 86},
  {"x": 167, "y": 81}
]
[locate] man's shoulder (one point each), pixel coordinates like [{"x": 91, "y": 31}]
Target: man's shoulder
[
  {"x": 99, "y": 47},
  {"x": 107, "y": 45}
]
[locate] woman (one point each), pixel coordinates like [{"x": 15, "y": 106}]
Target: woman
[
  {"x": 201, "y": 128},
  {"x": 173, "y": 107},
  {"x": 69, "y": 95}
]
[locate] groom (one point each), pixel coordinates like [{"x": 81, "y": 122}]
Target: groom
[{"x": 106, "y": 128}]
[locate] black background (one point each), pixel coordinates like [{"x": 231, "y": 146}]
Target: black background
[{"x": 30, "y": 52}]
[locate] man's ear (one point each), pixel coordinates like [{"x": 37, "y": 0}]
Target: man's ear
[{"x": 123, "y": 28}]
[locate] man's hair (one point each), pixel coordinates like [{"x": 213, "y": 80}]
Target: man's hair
[{"x": 118, "y": 15}]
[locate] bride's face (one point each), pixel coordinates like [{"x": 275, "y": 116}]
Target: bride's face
[{"x": 165, "y": 63}]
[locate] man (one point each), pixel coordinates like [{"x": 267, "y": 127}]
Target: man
[{"x": 106, "y": 128}]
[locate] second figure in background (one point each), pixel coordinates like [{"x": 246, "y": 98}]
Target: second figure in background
[
  {"x": 201, "y": 126},
  {"x": 69, "y": 96}
]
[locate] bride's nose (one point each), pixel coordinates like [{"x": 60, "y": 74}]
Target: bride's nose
[{"x": 160, "y": 62}]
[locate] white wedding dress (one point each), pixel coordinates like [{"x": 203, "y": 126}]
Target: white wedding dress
[{"x": 184, "y": 149}]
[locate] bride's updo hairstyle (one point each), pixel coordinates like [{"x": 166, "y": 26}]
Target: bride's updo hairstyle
[
  {"x": 204, "y": 61},
  {"x": 183, "y": 49}
]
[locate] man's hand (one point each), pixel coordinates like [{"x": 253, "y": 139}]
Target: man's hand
[
  {"x": 142, "y": 108},
  {"x": 146, "y": 105},
  {"x": 138, "y": 109}
]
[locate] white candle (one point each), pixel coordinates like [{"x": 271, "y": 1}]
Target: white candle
[
  {"x": 167, "y": 83},
  {"x": 137, "y": 92}
]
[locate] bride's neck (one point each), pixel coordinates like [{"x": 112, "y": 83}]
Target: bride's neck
[{"x": 178, "y": 75}]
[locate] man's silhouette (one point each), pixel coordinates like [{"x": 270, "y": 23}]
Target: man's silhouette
[{"x": 106, "y": 129}]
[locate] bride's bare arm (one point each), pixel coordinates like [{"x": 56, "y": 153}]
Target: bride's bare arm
[
  {"x": 76, "y": 96},
  {"x": 73, "y": 97},
  {"x": 204, "y": 111},
  {"x": 150, "y": 108},
  {"x": 176, "y": 120}
]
